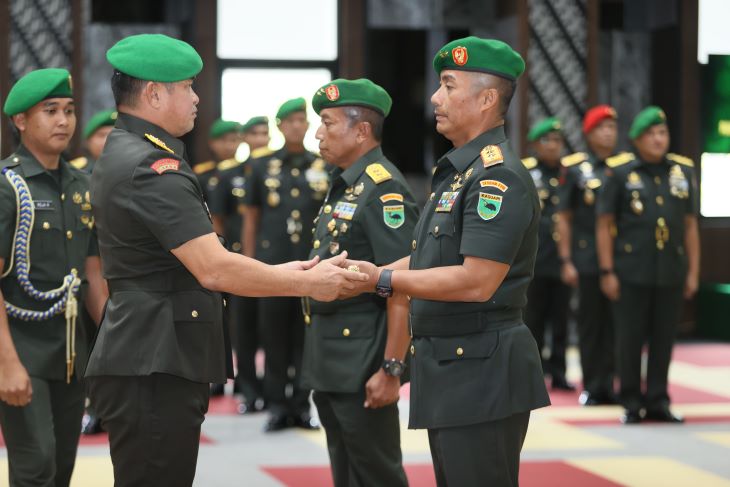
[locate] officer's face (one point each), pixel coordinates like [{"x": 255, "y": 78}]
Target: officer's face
[
  {"x": 549, "y": 147},
  {"x": 257, "y": 137},
  {"x": 181, "y": 104},
  {"x": 338, "y": 139},
  {"x": 225, "y": 146},
  {"x": 95, "y": 143},
  {"x": 48, "y": 126},
  {"x": 294, "y": 127},
  {"x": 456, "y": 106},
  {"x": 653, "y": 144},
  {"x": 604, "y": 135}
]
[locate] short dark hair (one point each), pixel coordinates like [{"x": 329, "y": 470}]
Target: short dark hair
[
  {"x": 356, "y": 114},
  {"x": 126, "y": 89},
  {"x": 505, "y": 88}
]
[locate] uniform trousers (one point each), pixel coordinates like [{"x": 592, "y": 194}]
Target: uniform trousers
[
  {"x": 154, "y": 427},
  {"x": 248, "y": 341},
  {"x": 596, "y": 337},
  {"x": 363, "y": 443},
  {"x": 646, "y": 314},
  {"x": 479, "y": 455},
  {"x": 42, "y": 437},
  {"x": 548, "y": 301}
]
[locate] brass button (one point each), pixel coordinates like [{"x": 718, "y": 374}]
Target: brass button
[
  {"x": 46, "y": 225},
  {"x": 69, "y": 234},
  {"x": 295, "y": 214},
  {"x": 436, "y": 230},
  {"x": 294, "y": 238},
  {"x": 194, "y": 313},
  {"x": 327, "y": 209},
  {"x": 295, "y": 172},
  {"x": 582, "y": 243},
  {"x": 459, "y": 351},
  {"x": 628, "y": 248},
  {"x": 236, "y": 246},
  {"x": 554, "y": 199},
  {"x": 316, "y": 244},
  {"x": 660, "y": 221},
  {"x": 413, "y": 245},
  {"x": 657, "y": 180},
  {"x": 413, "y": 350},
  {"x": 554, "y": 217},
  {"x": 335, "y": 232},
  {"x": 556, "y": 236},
  {"x": 15, "y": 159},
  {"x": 265, "y": 244},
  {"x": 659, "y": 200},
  {"x": 553, "y": 182},
  {"x": 346, "y": 332},
  {"x": 294, "y": 192}
]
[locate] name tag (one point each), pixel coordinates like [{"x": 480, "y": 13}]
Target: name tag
[{"x": 43, "y": 205}]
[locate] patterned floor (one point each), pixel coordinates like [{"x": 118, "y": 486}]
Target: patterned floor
[{"x": 567, "y": 445}]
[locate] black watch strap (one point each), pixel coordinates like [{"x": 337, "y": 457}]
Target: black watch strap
[{"x": 383, "y": 288}]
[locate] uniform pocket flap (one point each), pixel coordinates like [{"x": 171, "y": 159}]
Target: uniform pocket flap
[
  {"x": 193, "y": 306},
  {"x": 347, "y": 325},
  {"x": 442, "y": 229},
  {"x": 480, "y": 345}
]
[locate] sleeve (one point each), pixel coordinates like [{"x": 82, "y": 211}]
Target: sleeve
[
  {"x": 218, "y": 193},
  {"x": 497, "y": 211},
  {"x": 168, "y": 204},
  {"x": 7, "y": 218},
  {"x": 567, "y": 189},
  {"x": 254, "y": 184},
  {"x": 390, "y": 223},
  {"x": 609, "y": 198},
  {"x": 93, "y": 244},
  {"x": 693, "y": 202}
]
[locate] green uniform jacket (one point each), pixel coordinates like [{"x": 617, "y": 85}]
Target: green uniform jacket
[
  {"x": 476, "y": 362},
  {"x": 226, "y": 194},
  {"x": 147, "y": 201},
  {"x": 371, "y": 213},
  {"x": 584, "y": 177},
  {"x": 288, "y": 189},
  {"x": 63, "y": 236},
  {"x": 650, "y": 202},
  {"x": 547, "y": 183}
]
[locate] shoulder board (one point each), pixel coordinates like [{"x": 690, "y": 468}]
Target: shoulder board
[
  {"x": 620, "y": 160},
  {"x": 491, "y": 156},
  {"x": 261, "y": 152},
  {"x": 574, "y": 159},
  {"x": 79, "y": 163},
  {"x": 529, "y": 162},
  {"x": 11, "y": 161},
  {"x": 227, "y": 164},
  {"x": 204, "y": 167},
  {"x": 685, "y": 161},
  {"x": 158, "y": 143},
  {"x": 378, "y": 173}
]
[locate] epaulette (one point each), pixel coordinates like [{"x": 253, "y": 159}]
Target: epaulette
[
  {"x": 685, "y": 161},
  {"x": 377, "y": 173},
  {"x": 620, "y": 159},
  {"x": 158, "y": 143},
  {"x": 261, "y": 152},
  {"x": 204, "y": 167},
  {"x": 574, "y": 159},
  {"x": 79, "y": 163},
  {"x": 227, "y": 164},
  {"x": 529, "y": 163}
]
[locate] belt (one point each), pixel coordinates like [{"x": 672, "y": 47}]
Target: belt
[
  {"x": 462, "y": 324},
  {"x": 179, "y": 279}
]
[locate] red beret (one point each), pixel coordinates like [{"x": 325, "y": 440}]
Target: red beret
[{"x": 595, "y": 115}]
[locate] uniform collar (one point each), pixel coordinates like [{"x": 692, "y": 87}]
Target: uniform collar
[
  {"x": 31, "y": 167},
  {"x": 142, "y": 127},
  {"x": 353, "y": 173},
  {"x": 462, "y": 157}
]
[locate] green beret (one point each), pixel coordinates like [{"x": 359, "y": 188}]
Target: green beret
[
  {"x": 482, "y": 55},
  {"x": 37, "y": 86},
  {"x": 100, "y": 119},
  {"x": 359, "y": 92},
  {"x": 222, "y": 127},
  {"x": 254, "y": 121},
  {"x": 646, "y": 118},
  {"x": 543, "y": 127},
  {"x": 291, "y": 106},
  {"x": 155, "y": 57}
]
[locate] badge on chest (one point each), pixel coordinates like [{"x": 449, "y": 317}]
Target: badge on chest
[
  {"x": 344, "y": 210},
  {"x": 446, "y": 201}
]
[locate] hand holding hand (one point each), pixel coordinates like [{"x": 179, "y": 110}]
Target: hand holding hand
[
  {"x": 368, "y": 286},
  {"x": 330, "y": 278},
  {"x": 301, "y": 265}
]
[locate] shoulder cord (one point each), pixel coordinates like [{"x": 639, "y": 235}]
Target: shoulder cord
[{"x": 64, "y": 295}]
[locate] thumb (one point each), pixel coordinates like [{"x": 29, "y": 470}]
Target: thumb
[{"x": 338, "y": 260}]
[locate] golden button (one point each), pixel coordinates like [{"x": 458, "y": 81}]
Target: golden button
[
  {"x": 554, "y": 199},
  {"x": 265, "y": 244},
  {"x": 413, "y": 350},
  {"x": 436, "y": 230},
  {"x": 335, "y": 232},
  {"x": 295, "y": 172},
  {"x": 294, "y": 192},
  {"x": 554, "y": 218},
  {"x": 553, "y": 182},
  {"x": 346, "y": 332},
  {"x": 660, "y": 221},
  {"x": 628, "y": 248},
  {"x": 413, "y": 245},
  {"x": 328, "y": 209},
  {"x": 295, "y": 214},
  {"x": 194, "y": 313},
  {"x": 15, "y": 159},
  {"x": 459, "y": 351},
  {"x": 63, "y": 196},
  {"x": 46, "y": 225},
  {"x": 316, "y": 244},
  {"x": 69, "y": 234},
  {"x": 582, "y": 243},
  {"x": 659, "y": 200},
  {"x": 295, "y": 238},
  {"x": 657, "y": 180}
]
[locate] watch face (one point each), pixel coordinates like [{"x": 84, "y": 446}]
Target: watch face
[{"x": 394, "y": 368}]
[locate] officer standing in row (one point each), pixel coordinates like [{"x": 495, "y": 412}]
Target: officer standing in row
[
  {"x": 47, "y": 248},
  {"x": 475, "y": 367},
  {"x": 650, "y": 262},
  {"x": 283, "y": 194},
  {"x": 95, "y": 133},
  {"x": 162, "y": 339},
  {"x": 548, "y": 297},
  {"x": 584, "y": 176},
  {"x": 226, "y": 201},
  {"x": 355, "y": 349}
]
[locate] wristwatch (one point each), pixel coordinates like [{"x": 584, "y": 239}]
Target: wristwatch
[
  {"x": 394, "y": 367},
  {"x": 383, "y": 288},
  {"x": 605, "y": 272}
]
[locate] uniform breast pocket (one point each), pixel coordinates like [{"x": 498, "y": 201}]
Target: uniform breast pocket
[
  {"x": 443, "y": 238},
  {"x": 348, "y": 337},
  {"x": 465, "y": 348}
]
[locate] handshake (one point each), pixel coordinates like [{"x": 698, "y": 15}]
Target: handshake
[{"x": 334, "y": 278}]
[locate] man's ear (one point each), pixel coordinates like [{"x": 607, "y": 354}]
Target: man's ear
[
  {"x": 151, "y": 94},
  {"x": 364, "y": 130},
  {"x": 20, "y": 121},
  {"x": 489, "y": 99}
]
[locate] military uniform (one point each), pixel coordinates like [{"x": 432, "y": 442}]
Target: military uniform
[
  {"x": 649, "y": 202},
  {"x": 584, "y": 177},
  {"x": 548, "y": 297},
  {"x": 467, "y": 357},
  {"x": 288, "y": 189},
  {"x": 369, "y": 212},
  {"x": 207, "y": 176}
]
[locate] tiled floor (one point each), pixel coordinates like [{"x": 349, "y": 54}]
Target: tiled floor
[{"x": 567, "y": 445}]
